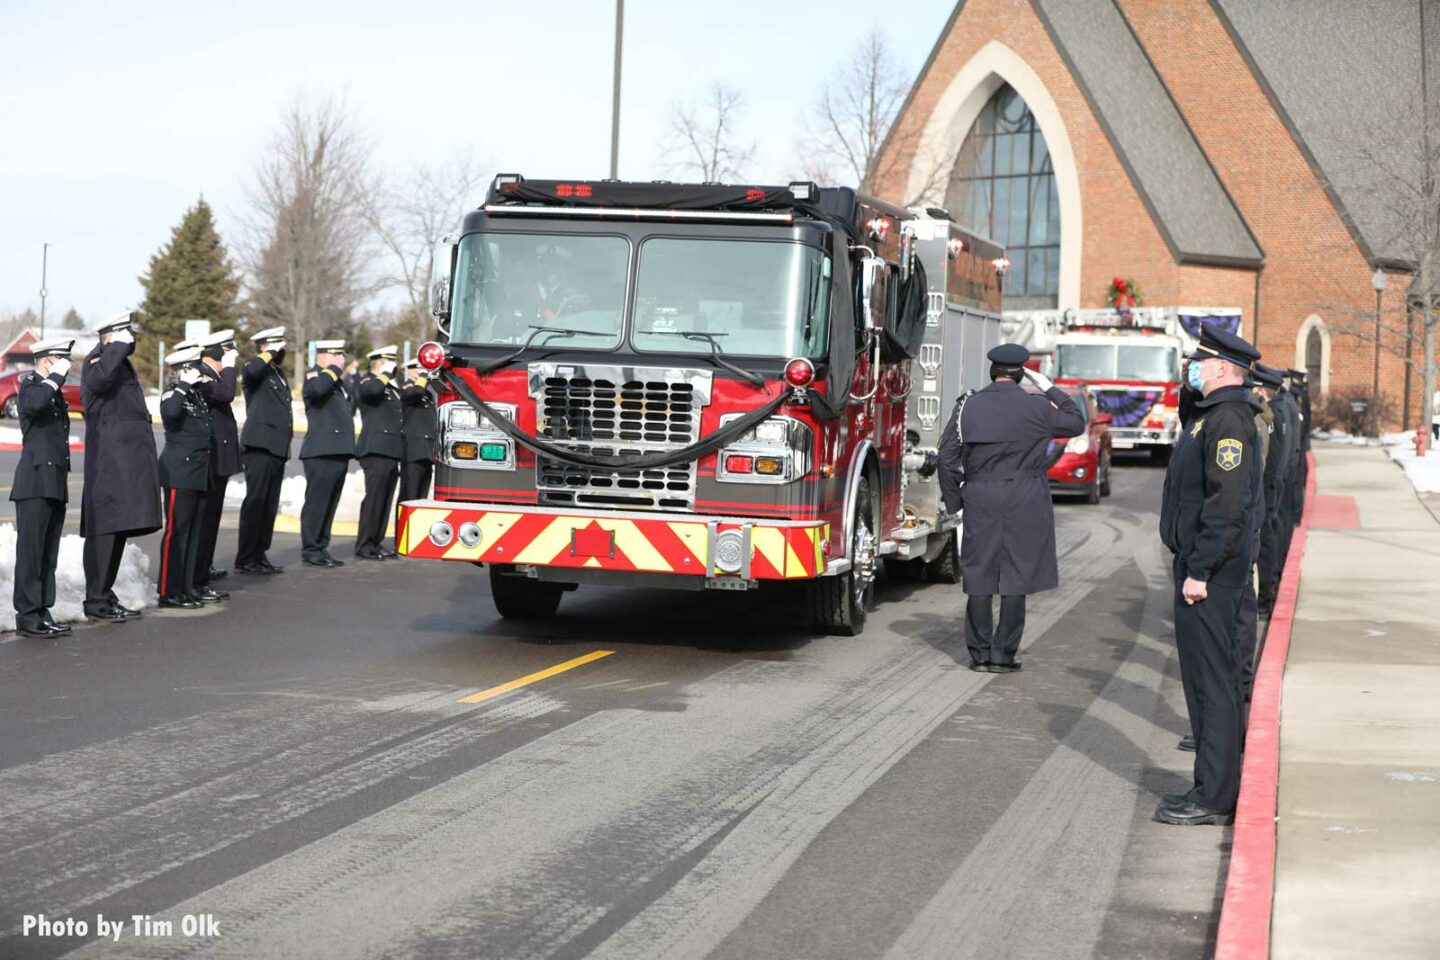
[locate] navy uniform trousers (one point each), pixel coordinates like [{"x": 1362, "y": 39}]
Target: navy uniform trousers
[{"x": 1207, "y": 641}]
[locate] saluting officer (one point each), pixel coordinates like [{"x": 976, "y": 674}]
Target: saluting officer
[
  {"x": 1276, "y": 481},
  {"x": 40, "y": 489},
  {"x": 265, "y": 444},
  {"x": 122, "y": 487},
  {"x": 380, "y": 449},
  {"x": 329, "y": 445},
  {"x": 1212, "y": 505},
  {"x": 185, "y": 479},
  {"x": 217, "y": 385},
  {"x": 421, "y": 428},
  {"x": 1009, "y": 543}
]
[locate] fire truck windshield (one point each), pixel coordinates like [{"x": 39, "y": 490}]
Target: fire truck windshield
[
  {"x": 507, "y": 284},
  {"x": 768, "y": 299},
  {"x": 1148, "y": 363}
]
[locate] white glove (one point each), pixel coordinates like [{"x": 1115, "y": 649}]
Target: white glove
[
  {"x": 390, "y": 367},
  {"x": 122, "y": 336},
  {"x": 228, "y": 358},
  {"x": 275, "y": 348},
  {"x": 60, "y": 365},
  {"x": 190, "y": 375},
  {"x": 1039, "y": 379}
]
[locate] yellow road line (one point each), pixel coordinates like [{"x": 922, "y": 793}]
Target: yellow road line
[{"x": 493, "y": 692}]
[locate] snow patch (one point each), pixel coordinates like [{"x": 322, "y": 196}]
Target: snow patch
[
  {"x": 1422, "y": 472},
  {"x": 292, "y": 495},
  {"x": 132, "y": 585}
]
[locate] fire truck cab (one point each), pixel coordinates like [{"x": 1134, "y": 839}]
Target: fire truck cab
[{"x": 698, "y": 386}]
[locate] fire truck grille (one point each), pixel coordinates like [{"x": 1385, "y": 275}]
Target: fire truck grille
[{"x": 617, "y": 418}]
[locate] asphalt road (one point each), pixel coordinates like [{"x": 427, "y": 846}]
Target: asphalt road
[{"x": 299, "y": 764}]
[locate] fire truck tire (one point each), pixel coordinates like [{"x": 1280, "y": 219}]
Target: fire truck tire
[
  {"x": 945, "y": 568},
  {"x": 839, "y": 604},
  {"x": 520, "y": 598}
]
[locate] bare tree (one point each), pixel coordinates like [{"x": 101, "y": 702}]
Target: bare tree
[
  {"x": 409, "y": 221},
  {"x": 310, "y": 251},
  {"x": 703, "y": 137},
  {"x": 1396, "y": 168}
]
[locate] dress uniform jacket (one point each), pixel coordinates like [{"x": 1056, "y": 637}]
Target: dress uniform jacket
[
  {"x": 420, "y": 424},
  {"x": 1213, "y": 500},
  {"x": 45, "y": 430},
  {"x": 1008, "y": 545},
  {"x": 218, "y": 389},
  {"x": 1277, "y": 459},
  {"x": 185, "y": 461},
  {"x": 122, "y": 490},
  {"x": 382, "y": 428},
  {"x": 331, "y": 430},
  {"x": 269, "y": 417}
]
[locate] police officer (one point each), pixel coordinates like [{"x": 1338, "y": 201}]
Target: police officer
[
  {"x": 1211, "y": 507},
  {"x": 329, "y": 445},
  {"x": 218, "y": 357},
  {"x": 1300, "y": 465},
  {"x": 184, "y": 478},
  {"x": 122, "y": 487},
  {"x": 265, "y": 447},
  {"x": 999, "y": 451},
  {"x": 40, "y": 489},
  {"x": 380, "y": 449},
  {"x": 1247, "y": 615},
  {"x": 421, "y": 427},
  {"x": 1276, "y": 482}
]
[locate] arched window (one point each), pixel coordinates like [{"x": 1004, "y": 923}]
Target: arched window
[
  {"x": 1314, "y": 359},
  {"x": 1003, "y": 185}
]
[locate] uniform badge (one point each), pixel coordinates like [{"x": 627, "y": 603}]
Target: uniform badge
[
  {"x": 1195, "y": 430},
  {"x": 1228, "y": 454}
]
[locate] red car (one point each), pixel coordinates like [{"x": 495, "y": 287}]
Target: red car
[
  {"x": 1081, "y": 464},
  {"x": 10, "y": 390}
]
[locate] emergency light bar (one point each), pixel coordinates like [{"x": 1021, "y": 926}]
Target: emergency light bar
[
  {"x": 623, "y": 198},
  {"x": 637, "y": 213}
]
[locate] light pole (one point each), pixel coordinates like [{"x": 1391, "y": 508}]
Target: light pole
[
  {"x": 1378, "y": 282},
  {"x": 615, "y": 107},
  {"x": 44, "y": 271}
]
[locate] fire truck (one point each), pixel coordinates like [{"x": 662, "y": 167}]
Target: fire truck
[
  {"x": 1130, "y": 358},
  {"x": 699, "y": 386}
]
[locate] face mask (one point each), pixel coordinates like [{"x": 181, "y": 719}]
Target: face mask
[
  {"x": 1194, "y": 378},
  {"x": 190, "y": 375},
  {"x": 277, "y": 354}
]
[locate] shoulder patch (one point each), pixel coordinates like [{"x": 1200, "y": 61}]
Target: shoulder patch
[
  {"x": 1229, "y": 453},
  {"x": 94, "y": 359}
]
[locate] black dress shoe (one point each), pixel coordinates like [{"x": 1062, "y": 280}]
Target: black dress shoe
[
  {"x": 1190, "y": 814},
  {"x": 271, "y": 567},
  {"x": 108, "y": 612},
  {"x": 1174, "y": 799},
  {"x": 333, "y": 562},
  {"x": 181, "y": 602},
  {"x": 129, "y": 614},
  {"x": 40, "y": 630},
  {"x": 1012, "y": 667},
  {"x": 49, "y": 621},
  {"x": 980, "y": 666},
  {"x": 208, "y": 595},
  {"x": 1187, "y": 743},
  {"x": 252, "y": 569},
  {"x": 370, "y": 555},
  {"x": 322, "y": 562},
  {"x": 389, "y": 554},
  {"x": 217, "y": 574}
]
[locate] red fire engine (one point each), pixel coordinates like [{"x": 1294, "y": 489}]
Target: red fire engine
[{"x": 699, "y": 387}]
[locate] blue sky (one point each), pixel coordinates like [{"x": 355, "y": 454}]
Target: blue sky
[{"x": 115, "y": 116}]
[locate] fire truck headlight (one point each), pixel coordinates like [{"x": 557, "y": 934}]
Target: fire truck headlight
[
  {"x": 441, "y": 533},
  {"x": 729, "y": 551},
  {"x": 463, "y": 417},
  {"x": 774, "y": 431},
  {"x": 470, "y": 533}
]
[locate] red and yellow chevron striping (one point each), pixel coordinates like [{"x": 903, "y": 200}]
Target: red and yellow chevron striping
[{"x": 780, "y": 550}]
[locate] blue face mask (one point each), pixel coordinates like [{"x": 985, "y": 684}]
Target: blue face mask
[{"x": 1192, "y": 375}]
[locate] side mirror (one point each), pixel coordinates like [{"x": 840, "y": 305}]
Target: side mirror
[
  {"x": 873, "y": 278},
  {"x": 1104, "y": 419},
  {"x": 441, "y": 267}
]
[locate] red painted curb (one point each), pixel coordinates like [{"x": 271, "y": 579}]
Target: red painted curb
[{"x": 1244, "y": 931}]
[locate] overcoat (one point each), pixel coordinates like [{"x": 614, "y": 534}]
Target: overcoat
[
  {"x": 188, "y": 419},
  {"x": 1008, "y": 539},
  {"x": 122, "y": 484},
  {"x": 218, "y": 389},
  {"x": 331, "y": 418},
  {"x": 269, "y": 416},
  {"x": 421, "y": 426},
  {"x": 45, "y": 445},
  {"x": 382, "y": 428}
]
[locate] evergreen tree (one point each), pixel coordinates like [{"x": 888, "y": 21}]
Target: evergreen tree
[
  {"x": 190, "y": 278},
  {"x": 72, "y": 320}
]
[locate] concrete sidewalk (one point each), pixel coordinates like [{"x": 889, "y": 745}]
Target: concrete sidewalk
[{"x": 1357, "y": 871}]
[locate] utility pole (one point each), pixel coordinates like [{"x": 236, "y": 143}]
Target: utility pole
[
  {"x": 44, "y": 271},
  {"x": 615, "y": 108}
]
